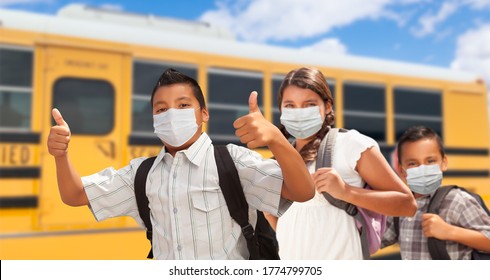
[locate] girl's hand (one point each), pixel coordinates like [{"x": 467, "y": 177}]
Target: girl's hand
[{"x": 328, "y": 180}]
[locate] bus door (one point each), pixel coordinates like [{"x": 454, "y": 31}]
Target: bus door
[{"x": 87, "y": 87}]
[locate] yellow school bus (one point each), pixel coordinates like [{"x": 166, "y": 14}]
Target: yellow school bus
[{"x": 98, "y": 67}]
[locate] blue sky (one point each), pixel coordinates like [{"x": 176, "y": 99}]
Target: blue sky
[{"x": 446, "y": 33}]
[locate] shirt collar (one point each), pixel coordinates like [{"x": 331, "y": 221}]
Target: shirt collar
[
  {"x": 423, "y": 202},
  {"x": 195, "y": 153}
]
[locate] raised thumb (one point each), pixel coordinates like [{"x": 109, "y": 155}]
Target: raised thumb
[
  {"x": 58, "y": 118},
  {"x": 252, "y": 103}
]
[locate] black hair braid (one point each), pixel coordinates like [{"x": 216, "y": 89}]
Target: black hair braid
[{"x": 310, "y": 151}]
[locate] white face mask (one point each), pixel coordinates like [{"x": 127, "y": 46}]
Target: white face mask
[
  {"x": 302, "y": 123},
  {"x": 424, "y": 179},
  {"x": 175, "y": 126}
]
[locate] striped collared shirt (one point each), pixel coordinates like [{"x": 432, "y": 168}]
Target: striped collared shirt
[
  {"x": 458, "y": 208},
  {"x": 188, "y": 211}
]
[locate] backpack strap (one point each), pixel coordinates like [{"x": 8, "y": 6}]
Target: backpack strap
[
  {"x": 142, "y": 199},
  {"x": 396, "y": 225},
  {"x": 229, "y": 182},
  {"x": 324, "y": 159},
  {"x": 437, "y": 247}
]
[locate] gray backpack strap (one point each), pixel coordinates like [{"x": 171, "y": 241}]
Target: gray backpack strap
[
  {"x": 325, "y": 151},
  {"x": 324, "y": 159}
]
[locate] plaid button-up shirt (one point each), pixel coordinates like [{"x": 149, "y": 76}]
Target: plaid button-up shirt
[{"x": 458, "y": 208}]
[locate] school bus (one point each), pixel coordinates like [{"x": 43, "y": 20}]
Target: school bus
[{"x": 98, "y": 67}]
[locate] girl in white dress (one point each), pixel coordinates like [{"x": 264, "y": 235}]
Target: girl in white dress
[{"x": 315, "y": 229}]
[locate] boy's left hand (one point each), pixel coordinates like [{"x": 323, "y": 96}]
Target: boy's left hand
[
  {"x": 434, "y": 226},
  {"x": 253, "y": 129}
]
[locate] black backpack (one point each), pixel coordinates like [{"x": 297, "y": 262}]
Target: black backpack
[
  {"x": 261, "y": 241},
  {"x": 437, "y": 248}
]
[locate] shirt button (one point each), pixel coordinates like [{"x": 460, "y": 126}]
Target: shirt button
[
  {"x": 179, "y": 248},
  {"x": 407, "y": 239},
  {"x": 175, "y": 210},
  {"x": 409, "y": 219}
]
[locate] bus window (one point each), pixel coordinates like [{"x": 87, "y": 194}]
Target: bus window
[
  {"x": 86, "y": 105},
  {"x": 228, "y": 93},
  {"x": 145, "y": 76},
  {"x": 276, "y": 85},
  {"x": 364, "y": 109},
  {"x": 331, "y": 86},
  {"x": 417, "y": 107},
  {"x": 15, "y": 89}
]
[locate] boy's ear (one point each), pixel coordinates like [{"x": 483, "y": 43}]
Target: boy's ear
[
  {"x": 444, "y": 164},
  {"x": 205, "y": 115}
]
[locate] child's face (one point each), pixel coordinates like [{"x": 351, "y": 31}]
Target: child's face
[
  {"x": 295, "y": 97},
  {"x": 178, "y": 96},
  {"x": 424, "y": 151}
]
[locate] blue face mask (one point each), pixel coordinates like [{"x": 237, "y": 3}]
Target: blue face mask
[
  {"x": 302, "y": 123},
  {"x": 424, "y": 179}
]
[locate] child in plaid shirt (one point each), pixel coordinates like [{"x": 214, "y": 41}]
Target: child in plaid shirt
[{"x": 462, "y": 222}]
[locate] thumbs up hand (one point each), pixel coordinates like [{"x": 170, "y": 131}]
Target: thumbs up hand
[
  {"x": 59, "y": 136},
  {"x": 253, "y": 129},
  {"x": 253, "y": 105}
]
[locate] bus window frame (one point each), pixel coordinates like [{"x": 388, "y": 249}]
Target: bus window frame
[
  {"x": 233, "y": 72},
  {"x": 21, "y": 89},
  {"x": 369, "y": 114},
  {"x": 418, "y": 117},
  {"x": 170, "y": 64},
  {"x": 147, "y": 96},
  {"x": 113, "y": 94}
]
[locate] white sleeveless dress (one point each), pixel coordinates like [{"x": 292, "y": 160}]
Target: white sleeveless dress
[{"x": 316, "y": 230}]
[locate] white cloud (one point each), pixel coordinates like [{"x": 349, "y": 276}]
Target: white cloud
[
  {"x": 265, "y": 20},
  {"x": 412, "y": 1},
  {"x": 478, "y": 4},
  {"x": 443, "y": 33},
  {"x": 328, "y": 45},
  {"x": 429, "y": 21},
  {"x": 5, "y": 3},
  {"x": 111, "y": 7},
  {"x": 473, "y": 53}
]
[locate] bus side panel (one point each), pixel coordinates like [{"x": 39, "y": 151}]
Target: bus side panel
[{"x": 124, "y": 245}]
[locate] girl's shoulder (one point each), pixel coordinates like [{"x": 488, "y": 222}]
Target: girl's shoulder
[{"x": 353, "y": 138}]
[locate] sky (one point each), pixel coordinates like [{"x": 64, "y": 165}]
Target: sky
[{"x": 446, "y": 33}]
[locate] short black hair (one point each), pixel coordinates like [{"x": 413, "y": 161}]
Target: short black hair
[
  {"x": 172, "y": 77},
  {"x": 417, "y": 133}
]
